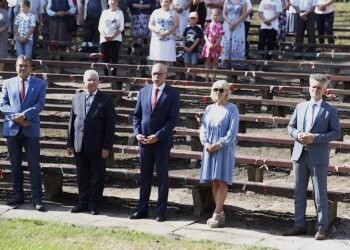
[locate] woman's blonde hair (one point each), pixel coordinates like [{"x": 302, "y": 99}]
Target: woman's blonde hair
[{"x": 220, "y": 84}]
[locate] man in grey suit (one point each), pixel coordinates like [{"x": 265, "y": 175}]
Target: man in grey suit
[
  {"x": 90, "y": 139},
  {"x": 313, "y": 125}
]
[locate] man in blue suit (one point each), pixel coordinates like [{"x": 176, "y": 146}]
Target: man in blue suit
[
  {"x": 23, "y": 98},
  {"x": 313, "y": 125},
  {"x": 155, "y": 116},
  {"x": 90, "y": 139}
]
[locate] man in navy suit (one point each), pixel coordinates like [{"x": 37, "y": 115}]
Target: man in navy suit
[
  {"x": 90, "y": 138},
  {"x": 23, "y": 98},
  {"x": 313, "y": 125},
  {"x": 155, "y": 116}
]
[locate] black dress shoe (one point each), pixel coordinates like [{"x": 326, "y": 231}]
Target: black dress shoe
[
  {"x": 79, "y": 208},
  {"x": 94, "y": 210},
  {"x": 16, "y": 200},
  {"x": 38, "y": 205},
  {"x": 295, "y": 231},
  {"x": 160, "y": 218},
  {"x": 137, "y": 216}
]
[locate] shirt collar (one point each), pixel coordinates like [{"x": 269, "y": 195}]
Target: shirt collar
[
  {"x": 160, "y": 88},
  {"x": 25, "y": 79},
  {"x": 93, "y": 93},
  {"x": 318, "y": 103}
]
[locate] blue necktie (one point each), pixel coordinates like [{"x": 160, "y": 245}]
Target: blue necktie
[
  {"x": 88, "y": 104},
  {"x": 310, "y": 120}
]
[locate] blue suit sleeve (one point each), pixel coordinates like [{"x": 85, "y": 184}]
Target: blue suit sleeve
[
  {"x": 292, "y": 125},
  {"x": 137, "y": 116},
  {"x": 5, "y": 106}
]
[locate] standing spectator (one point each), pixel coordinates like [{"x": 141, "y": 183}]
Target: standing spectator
[
  {"x": 247, "y": 22},
  {"x": 313, "y": 125},
  {"x": 58, "y": 10},
  {"x": 233, "y": 42},
  {"x": 89, "y": 16},
  {"x": 218, "y": 137},
  {"x": 306, "y": 19},
  {"x": 214, "y": 4},
  {"x": 282, "y": 22},
  {"x": 36, "y": 8},
  {"x": 199, "y": 7},
  {"x": 163, "y": 23},
  {"x": 11, "y": 7},
  {"x": 324, "y": 19},
  {"x": 4, "y": 26},
  {"x": 193, "y": 35},
  {"x": 213, "y": 33},
  {"x": 182, "y": 7},
  {"x": 111, "y": 26},
  {"x": 90, "y": 139},
  {"x": 269, "y": 11},
  {"x": 23, "y": 98},
  {"x": 23, "y": 30},
  {"x": 155, "y": 116},
  {"x": 140, "y": 11},
  {"x": 291, "y": 26}
]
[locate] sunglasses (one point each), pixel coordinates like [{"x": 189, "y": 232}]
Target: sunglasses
[{"x": 220, "y": 90}]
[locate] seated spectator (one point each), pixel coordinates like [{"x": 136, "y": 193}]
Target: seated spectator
[
  {"x": 4, "y": 26},
  {"x": 193, "y": 35},
  {"x": 111, "y": 26},
  {"x": 163, "y": 23},
  {"x": 59, "y": 10},
  {"x": 23, "y": 30},
  {"x": 182, "y": 7},
  {"x": 324, "y": 19},
  {"x": 269, "y": 11}
]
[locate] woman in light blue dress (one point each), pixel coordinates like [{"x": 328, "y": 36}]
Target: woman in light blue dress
[
  {"x": 233, "y": 42},
  {"x": 218, "y": 137}
]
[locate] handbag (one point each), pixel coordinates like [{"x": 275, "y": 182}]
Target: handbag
[{"x": 71, "y": 23}]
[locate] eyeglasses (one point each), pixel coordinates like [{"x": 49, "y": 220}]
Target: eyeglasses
[{"x": 220, "y": 90}]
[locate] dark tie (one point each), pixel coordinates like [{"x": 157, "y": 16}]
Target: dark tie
[
  {"x": 22, "y": 90},
  {"x": 154, "y": 98},
  {"x": 88, "y": 104}
]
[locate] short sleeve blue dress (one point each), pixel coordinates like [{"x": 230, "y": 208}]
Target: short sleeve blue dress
[{"x": 219, "y": 124}]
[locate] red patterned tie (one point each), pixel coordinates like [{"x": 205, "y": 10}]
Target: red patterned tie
[
  {"x": 154, "y": 98},
  {"x": 21, "y": 90}
]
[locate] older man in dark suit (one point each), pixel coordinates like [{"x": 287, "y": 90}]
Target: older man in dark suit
[
  {"x": 313, "y": 125},
  {"x": 155, "y": 116},
  {"x": 90, "y": 138}
]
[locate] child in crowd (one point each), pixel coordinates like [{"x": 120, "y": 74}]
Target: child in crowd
[
  {"x": 23, "y": 30},
  {"x": 111, "y": 26},
  {"x": 213, "y": 33},
  {"x": 269, "y": 11},
  {"x": 192, "y": 37}
]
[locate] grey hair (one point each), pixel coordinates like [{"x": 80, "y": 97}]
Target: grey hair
[
  {"x": 161, "y": 66},
  {"x": 320, "y": 78},
  {"x": 90, "y": 72},
  {"x": 24, "y": 58},
  {"x": 222, "y": 84}
]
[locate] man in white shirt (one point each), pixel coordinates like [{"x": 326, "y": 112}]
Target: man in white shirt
[
  {"x": 324, "y": 19},
  {"x": 306, "y": 20}
]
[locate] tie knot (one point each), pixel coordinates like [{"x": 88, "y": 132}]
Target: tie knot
[{"x": 156, "y": 89}]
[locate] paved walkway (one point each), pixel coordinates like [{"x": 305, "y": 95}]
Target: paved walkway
[{"x": 181, "y": 227}]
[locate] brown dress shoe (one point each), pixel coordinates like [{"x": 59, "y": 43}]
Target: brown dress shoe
[
  {"x": 320, "y": 235},
  {"x": 295, "y": 231}
]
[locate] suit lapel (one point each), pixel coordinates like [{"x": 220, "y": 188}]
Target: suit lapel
[
  {"x": 319, "y": 114},
  {"x": 304, "y": 112},
  {"x": 160, "y": 99},
  {"x": 81, "y": 101}
]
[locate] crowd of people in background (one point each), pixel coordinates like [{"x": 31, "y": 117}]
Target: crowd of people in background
[{"x": 224, "y": 26}]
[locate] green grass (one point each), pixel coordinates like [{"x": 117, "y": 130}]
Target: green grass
[{"x": 36, "y": 235}]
